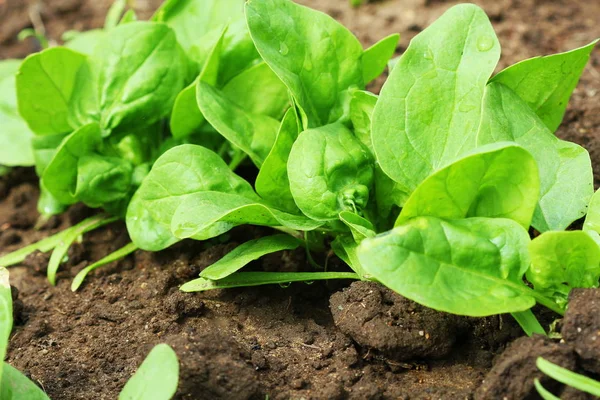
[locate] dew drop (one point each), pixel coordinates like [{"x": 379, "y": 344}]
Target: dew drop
[
  {"x": 283, "y": 49},
  {"x": 428, "y": 54},
  {"x": 285, "y": 285},
  {"x": 485, "y": 43}
]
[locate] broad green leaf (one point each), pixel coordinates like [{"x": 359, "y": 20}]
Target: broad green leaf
[
  {"x": 569, "y": 378},
  {"x": 239, "y": 52},
  {"x": 177, "y": 174},
  {"x": 330, "y": 171},
  {"x": 186, "y": 117},
  {"x": 360, "y": 227},
  {"x": 468, "y": 267},
  {"x": 102, "y": 179},
  {"x": 141, "y": 69},
  {"x": 429, "y": 108},
  {"x": 316, "y": 57},
  {"x": 563, "y": 260},
  {"x": 272, "y": 182},
  {"x": 60, "y": 176},
  {"x": 192, "y": 19},
  {"x": 6, "y": 316},
  {"x": 254, "y": 134},
  {"x": 247, "y": 252},
  {"x": 376, "y": 57},
  {"x": 497, "y": 181},
  {"x": 546, "y": 83},
  {"x": 566, "y": 180},
  {"x": 16, "y": 386},
  {"x": 259, "y": 91},
  {"x": 156, "y": 379},
  {"x": 204, "y": 215},
  {"x": 15, "y": 134},
  {"x": 114, "y": 256},
  {"x": 45, "y": 84},
  {"x": 245, "y": 279}
]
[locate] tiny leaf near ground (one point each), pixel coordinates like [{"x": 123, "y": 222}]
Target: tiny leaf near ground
[
  {"x": 569, "y": 378},
  {"x": 156, "y": 379},
  {"x": 564, "y": 260},
  {"x": 6, "y": 316}
]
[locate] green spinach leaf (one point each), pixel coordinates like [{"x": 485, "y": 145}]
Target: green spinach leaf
[
  {"x": 330, "y": 171},
  {"x": 429, "y": 108},
  {"x": 497, "y": 181},
  {"x": 376, "y": 57},
  {"x": 248, "y": 252},
  {"x": 546, "y": 83},
  {"x": 468, "y": 267},
  {"x": 316, "y": 57}
]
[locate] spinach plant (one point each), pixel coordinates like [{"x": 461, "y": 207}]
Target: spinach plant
[
  {"x": 156, "y": 378},
  {"x": 94, "y": 115},
  {"x": 453, "y": 164}
]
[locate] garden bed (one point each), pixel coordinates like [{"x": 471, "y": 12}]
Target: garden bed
[{"x": 334, "y": 340}]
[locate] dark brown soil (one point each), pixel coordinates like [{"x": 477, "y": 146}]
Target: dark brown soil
[{"x": 319, "y": 341}]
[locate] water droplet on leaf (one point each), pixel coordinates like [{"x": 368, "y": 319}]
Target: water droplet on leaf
[
  {"x": 485, "y": 43},
  {"x": 283, "y": 49}
]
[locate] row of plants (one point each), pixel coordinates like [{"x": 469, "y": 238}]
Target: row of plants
[{"x": 450, "y": 187}]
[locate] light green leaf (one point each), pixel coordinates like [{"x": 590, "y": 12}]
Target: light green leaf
[
  {"x": 177, "y": 174},
  {"x": 141, "y": 69},
  {"x": 497, "y": 181},
  {"x": 16, "y": 386},
  {"x": 245, "y": 279},
  {"x": 543, "y": 392},
  {"x": 376, "y": 57},
  {"x": 546, "y": 83},
  {"x": 429, "y": 108},
  {"x": 468, "y": 267},
  {"x": 565, "y": 169},
  {"x": 330, "y": 171},
  {"x": 114, "y": 256},
  {"x": 563, "y": 260},
  {"x": 569, "y": 378},
  {"x": 83, "y": 42},
  {"x": 60, "y": 176},
  {"x": 247, "y": 252},
  {"x": 16, "y": 137},
  {"x": 272, "y": 183},
  {"x": 204, "y": 215},
  {"x": 192, "y": 19},
  {"x": 102, "y": 179},
  {"x": 345, "y": 247},
  {"x": 254, "y": 134},
  {"x": 114, "y": 13},
  {"x": 45, "y": 84},
  {"x": 591, "y": 225},
  {"x": 316, "y": 57},
  {"x": 360, "y": 227},
  {"x": 259, "y": 91},
  {"x": 362, "y": 105},
  {"x": 156, "y": 379},
  {"x": 6, "y": 316},
  {"x": 186, "y": 117}
]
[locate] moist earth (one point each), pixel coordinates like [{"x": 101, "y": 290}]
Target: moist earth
[{"x": 335, "y": 340}]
